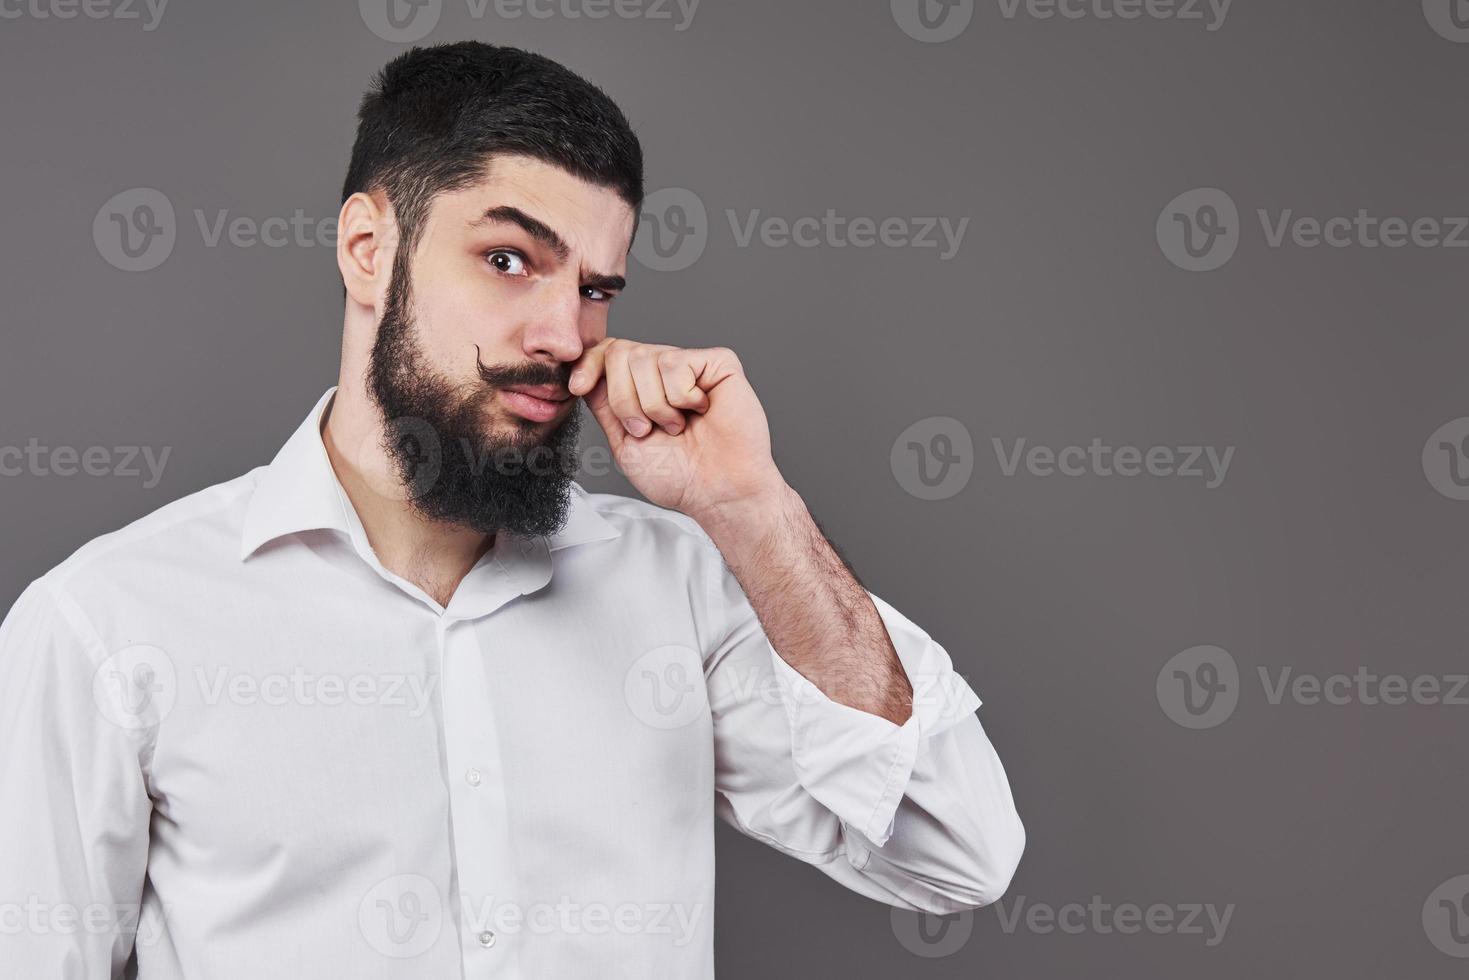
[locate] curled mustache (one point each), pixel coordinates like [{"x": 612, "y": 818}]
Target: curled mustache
[{"x": 530, "y": 373}]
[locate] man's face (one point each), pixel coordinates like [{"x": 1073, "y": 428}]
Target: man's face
[{"x": 510, "y": 281}]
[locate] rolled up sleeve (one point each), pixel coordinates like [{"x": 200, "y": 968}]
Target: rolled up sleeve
[
  {"x": 858, "y": 764},
  {"x": 918, "y": 815}
]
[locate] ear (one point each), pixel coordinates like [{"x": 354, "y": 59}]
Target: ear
[{"x": 366, "y": 242}]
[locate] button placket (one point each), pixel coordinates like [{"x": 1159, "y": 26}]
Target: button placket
[{"x": 476, "y": 807}]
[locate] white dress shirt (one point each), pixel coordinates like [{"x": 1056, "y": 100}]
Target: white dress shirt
[{"x": 233, "y": 742}]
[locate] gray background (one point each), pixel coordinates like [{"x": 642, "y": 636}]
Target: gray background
[{"x": 1061, "y": 319}]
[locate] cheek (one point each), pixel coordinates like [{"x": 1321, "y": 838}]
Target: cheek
[
  {"x": 457, "y": 313},
  {"x": 593, "y": 324}
]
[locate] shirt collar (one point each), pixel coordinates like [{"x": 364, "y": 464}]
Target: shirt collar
[{"x": 299, "y": 491}]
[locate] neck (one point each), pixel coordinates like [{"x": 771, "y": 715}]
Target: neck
[{"x": 433, "y": 556}]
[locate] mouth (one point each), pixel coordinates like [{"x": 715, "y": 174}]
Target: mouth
[{"x": 539, "y": 403}]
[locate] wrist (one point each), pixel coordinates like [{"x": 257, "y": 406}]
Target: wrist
[{"x": 749, "y": 520}]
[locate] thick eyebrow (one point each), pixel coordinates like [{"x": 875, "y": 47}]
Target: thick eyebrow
[
  {"x": 546, "y": 235},
  {"x": 597, "y": 280}
]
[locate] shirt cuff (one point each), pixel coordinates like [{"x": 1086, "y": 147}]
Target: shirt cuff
[{"x": 858, "y": 764}]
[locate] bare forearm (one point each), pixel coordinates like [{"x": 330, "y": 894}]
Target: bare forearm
[{"x": 816, "y": 614}]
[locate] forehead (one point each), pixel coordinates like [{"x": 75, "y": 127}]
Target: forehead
[{"x": 591, "y": 219}]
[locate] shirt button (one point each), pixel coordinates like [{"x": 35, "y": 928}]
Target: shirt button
[
  {"x": 487, "y": 939},
  {"x": 472, "y": 778}
]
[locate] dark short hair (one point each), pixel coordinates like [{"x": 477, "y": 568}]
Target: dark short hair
[{"x": 435, "y": 116}]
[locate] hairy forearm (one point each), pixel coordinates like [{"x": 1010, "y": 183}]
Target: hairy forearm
[{"x": 816, "y": 614}]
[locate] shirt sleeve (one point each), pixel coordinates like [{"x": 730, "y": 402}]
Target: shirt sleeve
[
  {"x": 74, "y": 808},
  {"x": 918, "y": 815}
]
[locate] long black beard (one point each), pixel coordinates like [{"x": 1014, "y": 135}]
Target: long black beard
[{"x": 435, "y": 433}]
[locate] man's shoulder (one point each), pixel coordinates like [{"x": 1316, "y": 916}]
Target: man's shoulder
[{"x": 199, "y": 528}]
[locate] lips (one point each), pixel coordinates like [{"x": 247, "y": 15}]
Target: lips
[
  {"x": 539, "y": 403},
  {"x": 549, "y": 393}
]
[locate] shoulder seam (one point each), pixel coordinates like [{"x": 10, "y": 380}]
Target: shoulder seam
[{"x": 61, "y": 575}]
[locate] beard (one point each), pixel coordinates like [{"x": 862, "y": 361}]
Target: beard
[{"x": 454, "y": 468}]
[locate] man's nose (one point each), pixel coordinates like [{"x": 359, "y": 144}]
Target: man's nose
[{"x": 555, "y": 326}]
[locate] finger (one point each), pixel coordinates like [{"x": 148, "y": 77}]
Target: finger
[
  {"x": 596, "y": 400},
  {"x": 681, "y": 382},
  {"x": 622, "y": 391},
  {"x": 648, "y": 379},
  {"x": 587, "y": 369}
]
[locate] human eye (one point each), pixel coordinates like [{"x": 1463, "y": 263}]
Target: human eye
[
  {"x": 507, "y": 261},
  {"x": 595, "y": 295}
]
